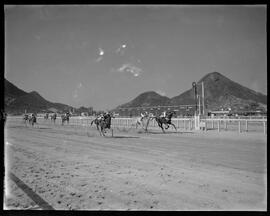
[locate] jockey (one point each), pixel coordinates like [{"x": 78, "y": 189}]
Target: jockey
[
  {"x": 143, "y": 115},
  {"x": 100, "y": 116},
  {"x": 106, "y": 115},
  {"x": 163, "y": 114}
]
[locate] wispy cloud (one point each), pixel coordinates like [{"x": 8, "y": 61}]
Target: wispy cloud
[
  {"x": 121, "y": 49},
  {"x": 75, "y": 93},
  {"x": 130, "y": 68},
  {"x": 99, "y": 59},
  {"x": 101, "y": 51},
  {"x": 37, "y": 37},
  {"x": 100, "y": 55}
]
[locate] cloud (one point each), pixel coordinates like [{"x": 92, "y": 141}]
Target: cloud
[
  {"x": 75, "y": 93},
  {"x": 37, "y": 37},
  {"x": 121, "y": 49},
  {"x": 129, "y": 68},
  {"x": 101, "y": 51},
  {"x": 99, "y": 59},
  {"x": 101, "y": 54},
  {"x": 79, "y": 85}
]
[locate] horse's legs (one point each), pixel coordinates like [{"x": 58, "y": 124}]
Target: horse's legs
[
  {"x": 102, "y": 131},
  {"x": 99, "y": 130},
  {"x": 160, "y": 125},
  {"x": 174, "y": 126}
]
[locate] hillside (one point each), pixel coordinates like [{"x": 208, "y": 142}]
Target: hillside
[
  {"x": 220, "y": 92},
  {"x": 17, "y": 101},
  {"x": 149, "y": 98}
]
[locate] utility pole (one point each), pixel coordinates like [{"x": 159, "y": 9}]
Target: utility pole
[
  {"x": 203, "y": 97},
  {"x": 199, "y": 104},
  {"x": 194, "y": 86}
]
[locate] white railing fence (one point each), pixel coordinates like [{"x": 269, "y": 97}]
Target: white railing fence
[{"x": 219, "y": 124}]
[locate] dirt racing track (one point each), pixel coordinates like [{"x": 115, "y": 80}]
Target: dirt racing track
[{"x": 73, "y": 168}]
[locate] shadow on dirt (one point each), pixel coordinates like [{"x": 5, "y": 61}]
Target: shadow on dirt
[{"x": 120, "y": 137}]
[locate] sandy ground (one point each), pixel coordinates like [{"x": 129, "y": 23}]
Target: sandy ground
[{"x": 73, "y": 168}]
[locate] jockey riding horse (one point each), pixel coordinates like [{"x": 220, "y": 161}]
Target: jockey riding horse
[
  {"x": 105, "y": 123},
  {"x": 165, "y": 120},
  {"x": 32, "y": 119},
  {"x": 65, "y": 117},
  {"x": 53, "y": 117}
]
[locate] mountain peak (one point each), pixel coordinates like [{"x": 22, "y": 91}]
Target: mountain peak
[
  {"x": 213, "y": 76},
  {"x": 36, "y": 95},
  {"x": 17, "y": 101},
  {"x": 219, "y": 91}
]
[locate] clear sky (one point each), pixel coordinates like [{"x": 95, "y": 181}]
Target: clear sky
[{"x": 104, "y": 56}]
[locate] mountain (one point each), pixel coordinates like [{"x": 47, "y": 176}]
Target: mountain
[
  {"x": 17, "y": 101},
  {"x": 149, "y": 98},
  {"x": 219, "y": 91}
]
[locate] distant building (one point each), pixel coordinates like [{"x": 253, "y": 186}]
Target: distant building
[{"x": 219, "y": 113}]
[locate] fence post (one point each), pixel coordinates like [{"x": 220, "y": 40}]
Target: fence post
[
  {"x": 189, "y": 124},
  {"x": 225, "y": 122},
  {"x": 239, "y": 126},
  {"x": 184, "y": 124},
  {"x": 246, "y": 125},
  {"x": 264, "y": 131},
  {"x": 218, "y": 125},
  {"x": 212, "y": 123}
]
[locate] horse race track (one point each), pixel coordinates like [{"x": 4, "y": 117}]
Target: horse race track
[{"x": 73, "y": 168}]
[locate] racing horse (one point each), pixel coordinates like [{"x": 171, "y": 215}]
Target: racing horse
[
  {"x": 26, "y": 118},
  {"x": 105, "y": 123},
  {"x": 165, "y": 120},
  {"x": 53, "y": 117},
  {"x": 32, "y": 120},
  {"x": 96, "y": 121},
  {"x": 46, "y": 117},
  {"x": 142, "y": 121},
  {"x": 65, "y": 117}
]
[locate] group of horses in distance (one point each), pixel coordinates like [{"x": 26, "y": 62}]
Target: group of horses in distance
[
  {"x": 104, "y": 121},
  {"x": 32, "y": 119}
]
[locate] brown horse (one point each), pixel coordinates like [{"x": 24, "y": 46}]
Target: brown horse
[{"x": 165, "y": 120}]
